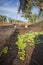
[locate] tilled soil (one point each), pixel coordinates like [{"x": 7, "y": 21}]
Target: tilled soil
[
  {"x": 7, "y": 59},
  {"x": 8, "y": 37}
]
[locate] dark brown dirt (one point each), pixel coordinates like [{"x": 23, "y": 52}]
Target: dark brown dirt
[
  {"x": 37, "y": 56},
  {"x": 7, "y": 59},
  {"x": 8, "y": 37}
]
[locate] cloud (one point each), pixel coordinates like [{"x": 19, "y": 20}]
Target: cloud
[{"x": 8, "y": 9}]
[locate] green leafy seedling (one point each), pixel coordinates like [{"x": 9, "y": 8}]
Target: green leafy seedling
[{"x": 5, "y": 50}]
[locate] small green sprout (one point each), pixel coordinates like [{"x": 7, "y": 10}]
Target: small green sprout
[{"x": 5, "y": 50}]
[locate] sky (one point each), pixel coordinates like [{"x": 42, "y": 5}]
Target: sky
[{"x": 9, "y": 8}]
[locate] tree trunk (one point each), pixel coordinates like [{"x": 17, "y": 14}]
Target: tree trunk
[{"x": 42, "y": 16}]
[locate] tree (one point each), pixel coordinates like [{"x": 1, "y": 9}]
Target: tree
[
  {"x": 40, "y": 6},
  {"x": 27, "y": 10},
  {"x": 3, "y": 18},
  {"x": 28, "y": 6},
  {"x": 19, "y": 21},
  {"x": 11, "y": 20},
  {"x": 33, "y": 18}
]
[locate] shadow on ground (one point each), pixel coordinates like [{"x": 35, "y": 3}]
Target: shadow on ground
[
  {"x": 37, "y": 55},
  {"x": 7, "y": 59}
]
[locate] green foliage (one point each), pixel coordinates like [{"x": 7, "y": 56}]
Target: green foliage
[
  {"x": 5, "y": 50},
  {"x": 20, "y": 43},
  {"x": 28, "y": 8},
  {"x": 22, "y": 57},
  {"x": 11, "y": 20},
  {"x": 27, "y": 12},
  {"x": 21, "y": 46},
  {"x": 38, "y": 1},
  {"x": 30, "y": 38},
  {"x": 3, "y": 18},
  {"x": 19, "y": 21},
  {"x": 37, "y": 41},
  {"x": 33, "y": 18}
]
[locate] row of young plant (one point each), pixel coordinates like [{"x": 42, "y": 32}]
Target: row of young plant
[{"x": 32, "y": 38}]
